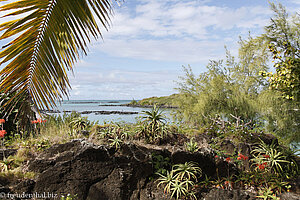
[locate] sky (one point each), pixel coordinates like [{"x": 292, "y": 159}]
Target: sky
[{"x": 142, "y": 53}]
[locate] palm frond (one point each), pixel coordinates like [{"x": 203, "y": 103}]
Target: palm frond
[{"x": 45, "y": 42}]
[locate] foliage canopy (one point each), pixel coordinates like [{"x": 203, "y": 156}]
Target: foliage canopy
[
  {"x": 235, "y": 86},
  {"x": 45, "y": 39}
]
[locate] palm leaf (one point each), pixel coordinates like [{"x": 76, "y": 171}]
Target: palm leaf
[{"x": 45, "y": 41}]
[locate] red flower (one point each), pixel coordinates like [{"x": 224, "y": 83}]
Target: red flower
[
  {"x": 216, "y": 156},
  {"x": 2, "y": 133},
  {"x": 265, "y": 164},
  {"x": 38, "y": 121},
  {"x": 243, "y": 157},
  {"x": 261, "y": 167},
  {"x": 266, "y": 156},
  {"x": 228, "y": 159},
  {"x": 239, "y": 158},
  {"x": 2, "y": 121}
]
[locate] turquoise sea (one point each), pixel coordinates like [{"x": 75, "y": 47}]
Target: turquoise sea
[{"x": 102, "y": 105}]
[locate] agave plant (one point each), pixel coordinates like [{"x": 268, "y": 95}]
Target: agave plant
[
  {"x": 180, "y": 180},
  {"x": 46, "y": 38},
  {"x": 187, "y": 171},
  {"x": 271, "y": 156},
  {"x": 78, "y": 124},
  {"x": 191, "y": 146},
  {"x": 179, "y": 188},
  {"x": 267, "y": 193},
  {"x": 166, "y": 180},
  {"x": 116, "y": 142},
  {"x": 154, "y": 117},
  {"x": 153, "y": 125}
]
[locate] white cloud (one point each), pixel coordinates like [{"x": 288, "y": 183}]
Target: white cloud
[
  {"x": 121, "y": 91},
  {"x": 295, "y": 1},
  {"x": 185, "y": 50},
  {"x": 182, "y": 31},
  {"x": 120, "y": 84},
  {"x": 183, "y": 19},
  {"x": 124, "y": 77}
]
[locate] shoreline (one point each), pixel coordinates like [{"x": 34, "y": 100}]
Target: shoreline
[{"x": 96, "y": 112}]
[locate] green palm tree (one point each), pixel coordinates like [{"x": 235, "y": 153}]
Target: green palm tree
[{"x": 46, "y": 38}]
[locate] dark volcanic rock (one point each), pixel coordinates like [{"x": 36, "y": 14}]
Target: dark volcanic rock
[
  {"x": 203, "y": 158},
  {"x": 96, "y": 112},
  {"x": 91, "y": 172},
  {"x": 25, "y": 186},
  {"x": 95, "y": 172},
  {"x": 289, "y": 196},
  {"x": 51, "y": 111},
  {"x": 104, "y": 112},
  {"x": 115, "y": 112},
  {"x": 99, "y": 172},
  {"x": 148, "y": 106},
  {"x": 220, "y": 194}
]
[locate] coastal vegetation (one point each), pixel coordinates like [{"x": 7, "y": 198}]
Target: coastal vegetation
[
  {"x": 271, "y": 168},
  {"x": 243, "y": 87},
  {"x": 236, "y": 125},
  {"x": 163, "y": 102}
]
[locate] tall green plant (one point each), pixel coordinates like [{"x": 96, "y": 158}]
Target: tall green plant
[
  {"x": 236, "y": 85},
  {"x": 154, "y": 116},
  {"x": 283, "y": 37},
  {"x": 228, "y": 87},
  {"x": 153, "y": 124},
  {"x": 46, "y": 39}
]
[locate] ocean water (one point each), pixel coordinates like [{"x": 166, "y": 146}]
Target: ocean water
[{"x": 99, "y": 105}]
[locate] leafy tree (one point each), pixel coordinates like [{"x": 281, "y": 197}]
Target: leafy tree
[
  {"x": 46, "y": 38},
  {"x": 281, "y": 116},
  {"x": 235, "y": 86},
  {"x": 228, "y": 87},
  {"x": 283, "y": 36},
  {"x": 283, "y": 39}
]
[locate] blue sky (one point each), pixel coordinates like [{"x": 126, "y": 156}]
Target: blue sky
[{"x": 143, "y": 52}]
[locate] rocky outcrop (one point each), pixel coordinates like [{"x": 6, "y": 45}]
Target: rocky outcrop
[
  {"x": 104, "y": 112},
  {"x": 89, "y": 171},
  {"x": 221, "y": 194},
  {"x": 96, "y": 112},
  {"x": 99, "y": 172},
  {"x": 149, "y": 106}
]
